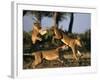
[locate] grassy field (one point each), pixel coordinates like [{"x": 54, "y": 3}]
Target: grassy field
[{"x": 85, "y": 60}]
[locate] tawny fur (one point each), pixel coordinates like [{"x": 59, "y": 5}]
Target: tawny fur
[
  {"x": 72, "y": 43},
  {"x": 50, "y": 55},
  {"x": 37, "y": 32}
]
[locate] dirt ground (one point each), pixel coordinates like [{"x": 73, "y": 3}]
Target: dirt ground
[{"x": 84, "y": 60}]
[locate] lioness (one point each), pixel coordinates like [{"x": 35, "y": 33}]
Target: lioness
[
  {"x": 37, "y": 32},
  {"x": 50, "y": 55},
  {"x": 71, "y": 42}
]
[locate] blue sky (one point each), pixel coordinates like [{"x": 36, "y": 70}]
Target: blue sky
[{"x": 82, "y": 22}]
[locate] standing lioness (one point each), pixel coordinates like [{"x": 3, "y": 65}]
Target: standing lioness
[{"x": 37, "y": 32}]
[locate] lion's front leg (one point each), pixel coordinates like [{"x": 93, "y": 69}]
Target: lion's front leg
[
  {"x": 34, "y": 39},
  {"x": 74, "y": 54},
  {"x": 38, "y": 38},
  {"x": 38, "y": 60}
]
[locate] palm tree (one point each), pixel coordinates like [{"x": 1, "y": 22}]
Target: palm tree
[
  {"x": 57, "y": 16},
  {"x": 37, "y": 14},
  {"x": 55, "y": 19},
  {"x": 71, "y": 22}
]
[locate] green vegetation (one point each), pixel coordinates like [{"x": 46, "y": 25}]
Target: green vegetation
[{"x": 49, "y": 43}]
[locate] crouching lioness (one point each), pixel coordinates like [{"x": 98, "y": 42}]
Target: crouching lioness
[{"x": 50, "y": 55}]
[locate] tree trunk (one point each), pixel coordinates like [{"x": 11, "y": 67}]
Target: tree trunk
[
  {"x": 71, "y": 23},
  {"x": 55, "y": 18},
  {"x": 39, "y": 17}
]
